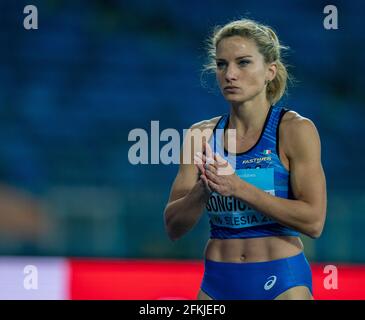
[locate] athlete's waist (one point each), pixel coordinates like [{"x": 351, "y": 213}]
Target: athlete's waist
[{"x": 253, "y": 249}]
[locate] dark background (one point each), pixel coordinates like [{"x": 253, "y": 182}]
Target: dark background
[{"x": 71, "y": 91}]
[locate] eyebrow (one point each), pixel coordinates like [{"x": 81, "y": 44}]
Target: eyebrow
[{"x": 238, "y": 58}]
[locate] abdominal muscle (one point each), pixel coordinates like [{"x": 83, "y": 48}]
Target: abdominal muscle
[{"x": 253, "y": 249}]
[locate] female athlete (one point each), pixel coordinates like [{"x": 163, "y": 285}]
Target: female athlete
[{"x": 272, "y": 191}]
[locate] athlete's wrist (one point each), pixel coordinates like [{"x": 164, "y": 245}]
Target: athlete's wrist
[
  {"x": 204, "y": 192},
  {"x": 239, "y": 185}
]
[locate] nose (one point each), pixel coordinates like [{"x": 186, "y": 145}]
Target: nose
[{"x": 231, "y": 73}]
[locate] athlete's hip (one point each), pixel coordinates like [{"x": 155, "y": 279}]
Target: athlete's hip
[{"x": 255, "y": 280}]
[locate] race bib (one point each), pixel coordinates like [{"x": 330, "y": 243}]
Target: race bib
[{"x": 229, "y": 212}]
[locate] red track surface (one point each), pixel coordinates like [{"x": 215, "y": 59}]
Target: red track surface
[{"x": 144, "y": 279}]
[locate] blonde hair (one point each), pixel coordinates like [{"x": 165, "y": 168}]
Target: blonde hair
[{"x": 268, "y": 45}]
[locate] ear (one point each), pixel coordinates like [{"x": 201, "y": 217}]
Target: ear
[{"x": 271, "y": 71}]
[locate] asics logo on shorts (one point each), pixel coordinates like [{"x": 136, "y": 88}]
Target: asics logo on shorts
[{"x": 269, "y": 284}]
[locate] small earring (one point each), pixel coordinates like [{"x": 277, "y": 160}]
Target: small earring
[{"x": 267, "y": 81}]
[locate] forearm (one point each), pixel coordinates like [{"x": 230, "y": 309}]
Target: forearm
[
  {"x": 296, "y": 214},
  {"x": 182, "y": 214}
]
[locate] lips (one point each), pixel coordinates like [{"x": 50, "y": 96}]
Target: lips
[{"x": 230, "y": 88}]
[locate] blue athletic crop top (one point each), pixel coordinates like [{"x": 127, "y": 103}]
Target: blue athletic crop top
[{"x": 260, "y": 165}]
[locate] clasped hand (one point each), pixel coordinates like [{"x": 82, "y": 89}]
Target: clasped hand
[{"x": 216, "y": 172}]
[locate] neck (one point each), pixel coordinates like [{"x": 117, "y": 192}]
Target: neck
[{"x": 248, "y": 116}]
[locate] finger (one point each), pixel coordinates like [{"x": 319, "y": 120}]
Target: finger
[
  {"x": 200, "y": 168},
  {"x": 205, "y": 180},
  {"x": 209, "y": 152},
  {"x": 199, "y": 164},
  {"x": 210, "y": 167},
  {"x": 209, "y": 160},
  {"x": 198, "y": 159},
  {"x": 213, "y": 177},
  {"x": 204, "y": 149},
  {"x": 224, "y": 167},
  {"x": 221, "y": 161},
  {"x": 202, "y": 157},
  {"x": 213, "y": 185},
  {"x": 202, "y": 160}
]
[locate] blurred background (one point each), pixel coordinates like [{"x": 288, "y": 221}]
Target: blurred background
[{"x": 71, "y": 91}]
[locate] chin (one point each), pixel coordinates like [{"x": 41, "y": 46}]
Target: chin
[
  {"x": 239, "y": 98},
  {"x": 235, "y": 98}
]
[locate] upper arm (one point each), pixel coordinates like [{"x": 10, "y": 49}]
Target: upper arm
[
  {"x": 188, "y": 174},
  {"x": 302, "y": 147}
]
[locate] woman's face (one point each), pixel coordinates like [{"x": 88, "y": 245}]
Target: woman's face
[{"x": 241, "y": 69}]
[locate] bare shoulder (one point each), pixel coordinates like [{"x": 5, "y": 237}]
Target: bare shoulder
[
  {"x": 203, "y": 128},
  {"x": 293, "y": 123},
  {"x": 298, "y": 133},
  {"x": 206, "y": 124}
]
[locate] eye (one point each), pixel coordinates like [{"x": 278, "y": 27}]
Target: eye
[
  {"x": 220, "y": 64},
  {"x": 244, "y": 62}
]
